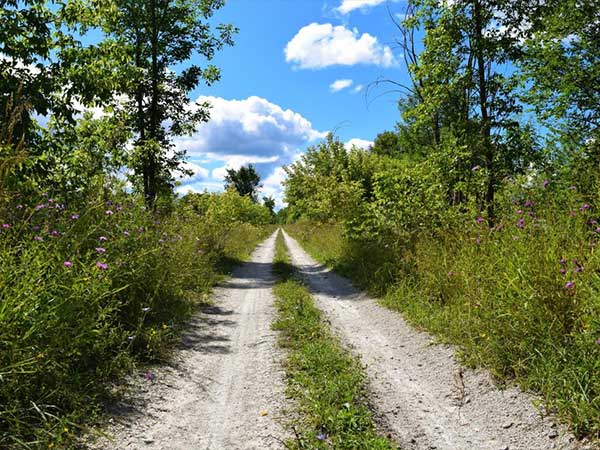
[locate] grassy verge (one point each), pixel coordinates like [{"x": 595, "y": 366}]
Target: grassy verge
[
  {"x": 518, "y": 302},
  {"x": 88, "y": 294},
  {"x": 327, "y": 382}
]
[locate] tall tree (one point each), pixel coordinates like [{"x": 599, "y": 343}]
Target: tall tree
[
  {"x": 245, "y": 180},
  {"x": 161, "y": 35}
]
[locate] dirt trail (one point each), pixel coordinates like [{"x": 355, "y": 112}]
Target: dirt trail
[
  {"x": 422, "y": 395},
  {"x": 225, "y": 390}
]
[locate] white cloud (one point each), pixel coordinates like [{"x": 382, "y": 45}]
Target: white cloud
[
  {"x": 240, "y": 132},
  {"x": 350, "y": 5},
  {"x": 338, "y": 85},
  {"x": 359, "y": 143},
  {"x": 358, "y": 89},
  {"x": 272, "y": 187},
  {"x": 252, "y": 127},
  {"x": 316, "y": 46}
]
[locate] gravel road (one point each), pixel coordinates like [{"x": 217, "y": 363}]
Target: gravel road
[
  {"x": 225, "y": 389},
  {"x": 419, "y": 391}
]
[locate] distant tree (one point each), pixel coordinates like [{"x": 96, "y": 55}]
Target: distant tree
[
  {"x": 387, "y": 143},
  {"x": 269, "y": 203},
  {"x": 245, "y": 180}
]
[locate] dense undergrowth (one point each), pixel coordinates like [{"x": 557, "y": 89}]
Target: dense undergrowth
[
  {"x": 87, "y": 293},
  {"x": 326, "y": 381},
  {"x": 522, "y": 298}
]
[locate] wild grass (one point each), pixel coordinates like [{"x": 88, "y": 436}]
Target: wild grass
[
  {"x": 522, "y": 299},
  {"x": 325, "y": 380},
  {"x": 86, "y": 294}
]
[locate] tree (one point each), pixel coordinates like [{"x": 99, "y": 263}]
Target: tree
[
  {"x": 386, "y": 143},
  {"x": 160, "y": 35},
  {"x": 269, "y": 203},
  {"x": 245, "y": 180}
]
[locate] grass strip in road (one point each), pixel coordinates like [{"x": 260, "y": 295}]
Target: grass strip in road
[{"x": 325, "y": 379}]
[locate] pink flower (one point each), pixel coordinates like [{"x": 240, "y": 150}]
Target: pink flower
[
  {"x": 102, "y": 239},
  {"x": 54, "y": 233},
  {"x": 38, "y": 238},
  {"x": 521, "y": 223},
  {"x": 6, "y": 225},
  {"x": 109, "y": 212},
  {"x": 598, "y": 341},
  {"x": 569, "y": 285},
  {"x": 101, "y": 250},
  {"x": 68, "y": 264},
  {"x": 545, "y": 184},
  {"x": 478, "y": 241},
  {"x": 584, "y": 207},
  {"x": 479, "y": 220},
  {"x": 563, "y": 270},
  {"x": 74, "y": 216},
  {"x": 125, "y": 233},
  {"x": 573, "y": 188},
  {"x": 101, "y": 265}
]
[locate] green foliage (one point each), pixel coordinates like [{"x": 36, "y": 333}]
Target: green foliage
[
  {"x": 324, "y": 378},
  {"x": 85, "y": 293},
  {"x": 520, "y": 299},
  {"x": 245, "y": 181}
]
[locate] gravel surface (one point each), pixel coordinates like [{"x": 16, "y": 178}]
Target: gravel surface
[
  {"x": 419, "y": 391},
  {"x": 225, "y": 388}
]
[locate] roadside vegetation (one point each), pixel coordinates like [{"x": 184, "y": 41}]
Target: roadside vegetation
[
  {"x": 101, "y": 261},
  {"x": 478, "y": 216},
  {"x": 325, "y": 380}
]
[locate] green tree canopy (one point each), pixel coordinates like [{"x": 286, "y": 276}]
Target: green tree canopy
[{"x": 245, "y": 180}]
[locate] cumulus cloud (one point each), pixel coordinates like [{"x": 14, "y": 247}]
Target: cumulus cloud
[
  {"x": 359, "y": 143},
  {"x": 240, "y": 132},
  {"x": 358, "y": 88},
  {"x": 338, "y": 85},
  {"x": 350, "y": 5},
  {"x": 252, "y": 127},
  {"x": 316, "y": 46}
]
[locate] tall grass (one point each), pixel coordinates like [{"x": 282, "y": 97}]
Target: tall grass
[
  {"x": 86, "y": 293},
  {"x": 522, "y": 299}
]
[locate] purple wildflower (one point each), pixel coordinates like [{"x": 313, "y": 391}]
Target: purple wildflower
[
  {"x": 572, "y": 213},
  {"x": 101, "y": 250},
  {"x": 74, "y": 216},
  {"x": 545, "y": 184},
  {"x": 450, "y": 274},
  {"x": 20, "y": 206},
  {"x": 598, "y": 341},
  {"x": 569, "y": 285},
  {"x": 55, "y": 233},
  {"x": 109, "y": 212},
  {"x": 597, "y": 230},
  {"x": 140, "y": 229},
  {"x": 479, "y": 220},
  {"x": 323, "y": 436},
  {"x": 573, "y": 188},
  {"x": 578, "y": 269},
  {"x": 593, "y": 222},
  {"x": 520, "y": 212},
  {"x": 103, "y": 239},
  {"x": 475, "y": 168},
  {"x": 563, "y": 261},
  {"x": 38, "y": 238},
  {"x": 478, "y": 240},
  {"x": 101, "y": 265},
  {"x": 6, "y": 225},
  {"x": 563, "y": 271},
  {"x": 521, "y": 223},
  {"x": 584, "y": 207},
  {"x": 68, "y": 264},
  {"x": 38, "y": 207},
  {"x": 528, "y": 204},
  {"x": 149, "y": 376},
  {"x": 125, "y": 233}
]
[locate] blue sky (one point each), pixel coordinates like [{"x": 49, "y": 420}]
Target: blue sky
[{"x": 298, "y": 69}]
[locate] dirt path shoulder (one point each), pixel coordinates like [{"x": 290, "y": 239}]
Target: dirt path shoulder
[
  {"x": 225, "y": 389},
  {"x": 419, "y": 390}
]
